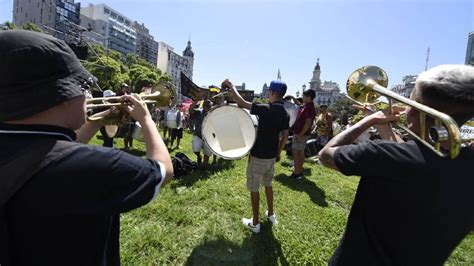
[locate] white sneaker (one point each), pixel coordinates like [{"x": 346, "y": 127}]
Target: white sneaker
[
  {"x": 249, "y": 224},
  {"x": 273, "y": 218}
]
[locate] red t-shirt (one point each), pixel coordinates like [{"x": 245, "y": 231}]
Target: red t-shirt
[{"x": 308, "y": 111}]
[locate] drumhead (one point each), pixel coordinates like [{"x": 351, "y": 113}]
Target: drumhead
[
  {"x": 229, "y": 132},
  {"x": 292, "y": 110},
  {"x": 173, "y": 118}
]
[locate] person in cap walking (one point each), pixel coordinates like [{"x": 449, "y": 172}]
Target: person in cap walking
[
  {"x": 60, "y": 199},
  {"x": 272, "y": 120}
]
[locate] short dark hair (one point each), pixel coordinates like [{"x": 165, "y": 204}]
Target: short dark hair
[
  {"x": 448, "y": 89},
  {"x": 279, "y": 93},
  {"x": 310, "y": 93}
]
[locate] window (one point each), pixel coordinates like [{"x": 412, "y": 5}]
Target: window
[{"x": 106, "y": 11}]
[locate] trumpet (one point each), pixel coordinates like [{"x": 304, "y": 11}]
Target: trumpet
[
  {"x": 116, "y": 100},
  {"x": 161, "y": 95},
  {"x": 368, "y": 83}
]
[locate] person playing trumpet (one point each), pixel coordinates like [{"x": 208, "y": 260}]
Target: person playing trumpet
[
  {"x": 61, "y": 199},
  {"x": 412, "y": 207},
  {"x": 273, "y": 119}
]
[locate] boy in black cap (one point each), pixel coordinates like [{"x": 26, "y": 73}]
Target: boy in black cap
[
  {"x": 60, "y": 200},
  {"x": 273, "y": 119}
]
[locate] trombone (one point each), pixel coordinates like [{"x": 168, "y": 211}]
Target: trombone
[{"x": 368, "y": 83}]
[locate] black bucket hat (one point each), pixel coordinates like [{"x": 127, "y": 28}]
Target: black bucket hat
[{"x": 37, "y": 72}]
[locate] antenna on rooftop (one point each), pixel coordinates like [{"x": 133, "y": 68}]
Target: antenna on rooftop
[{"x": 427, "y": 58}]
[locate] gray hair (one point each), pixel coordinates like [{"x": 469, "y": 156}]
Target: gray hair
[{"x": 449, "y": 89}]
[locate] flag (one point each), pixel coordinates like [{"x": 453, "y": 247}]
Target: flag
[{"x": 189, "y": 89}]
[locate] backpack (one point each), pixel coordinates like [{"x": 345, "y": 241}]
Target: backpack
[{"x": 182, "y": 165}]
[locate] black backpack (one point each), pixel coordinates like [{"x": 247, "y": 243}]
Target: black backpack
[{"x": 182, "y": 165}]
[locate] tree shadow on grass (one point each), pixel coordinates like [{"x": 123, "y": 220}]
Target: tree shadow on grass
[
  {"x": 316, "y": 194},
  {"x": 257, "y": 249}
]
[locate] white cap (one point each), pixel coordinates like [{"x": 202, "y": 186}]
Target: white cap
[{"x": 108, "y": 93}]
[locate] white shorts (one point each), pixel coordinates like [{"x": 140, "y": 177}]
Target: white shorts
[{"x": 199, "y": 144}]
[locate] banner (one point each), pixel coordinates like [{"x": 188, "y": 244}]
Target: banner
[{"x": 189, "y": 89}]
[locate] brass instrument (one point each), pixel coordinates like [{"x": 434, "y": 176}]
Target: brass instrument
[
  {"x": 368, "y": 83},
  {"x": 161, "y": 95}
]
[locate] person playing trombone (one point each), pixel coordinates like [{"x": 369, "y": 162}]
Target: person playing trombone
[{"x": 412, "y": 206}]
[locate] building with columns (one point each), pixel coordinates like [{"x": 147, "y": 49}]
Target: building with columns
[
  {"x": 406, "y": 87},
  {"x": 327, "y": 92},
  {"x": 173, "y": 64}
]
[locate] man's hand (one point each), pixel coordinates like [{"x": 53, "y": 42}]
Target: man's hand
[
  {"x": 138, "y": 110},
  {"x": 380, "y": 118}
]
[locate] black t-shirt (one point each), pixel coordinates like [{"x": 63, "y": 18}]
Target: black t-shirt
[
  {"x": 68, "y": 213},
  {"x": 412, "y": 207},
  {"x": 199, "y": 116},
  {"x": 272, "y": 119}
]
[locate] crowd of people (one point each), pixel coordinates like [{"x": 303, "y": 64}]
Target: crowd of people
[{"x": 61, "y": 199}]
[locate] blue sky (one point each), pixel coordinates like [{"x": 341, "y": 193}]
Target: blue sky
[{"x": 248, "y": 41}]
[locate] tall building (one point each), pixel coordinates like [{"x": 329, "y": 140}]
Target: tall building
[
  {"x": 117, "y": 29},
  {"x": 264, "y": 94},
  {"x": 57, "y": 17},
  {"x": 173, "y": 64},
  {"x": 470, "y": 50},
  {"x": 327, "y": 92},
  {"x": 315, "y": 83},
  {"x": 407, "y": 86},
  {"x": 147, "y": 47}
]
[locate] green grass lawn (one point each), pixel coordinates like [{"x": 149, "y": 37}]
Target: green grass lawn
[{"x": 196, "y": 220}]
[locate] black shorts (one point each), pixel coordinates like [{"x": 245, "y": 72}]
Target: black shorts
[{"x": 177, "y": 133}]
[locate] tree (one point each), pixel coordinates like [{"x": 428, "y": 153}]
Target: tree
[
  {"x": 343, "y": 109},
  {"x": 7, "y": 25},
  {"x": 31, "y": 26},
  {"x": 108, "y": 71},
  {"x": 112, "y": 69}
]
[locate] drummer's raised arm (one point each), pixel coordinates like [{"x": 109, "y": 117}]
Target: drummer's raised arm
[{"x": 237, "y": 97}]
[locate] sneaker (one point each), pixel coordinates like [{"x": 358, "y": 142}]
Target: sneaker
[
  {"x": 272, "y": 218},
  {"x": 249, "y": 224},
  {"x": 297, "y": 177}
]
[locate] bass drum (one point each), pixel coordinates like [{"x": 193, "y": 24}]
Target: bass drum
[
  {"x": 229, "y": 131},
  {"x": 121, "y": 132},
  {"x": 173, "y": 118},
  {"x": 292, "y": 110},
  {"x": 137, "y": 132}
]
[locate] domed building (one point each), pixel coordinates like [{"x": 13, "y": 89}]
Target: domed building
[{"x": 327, "y": 92}]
